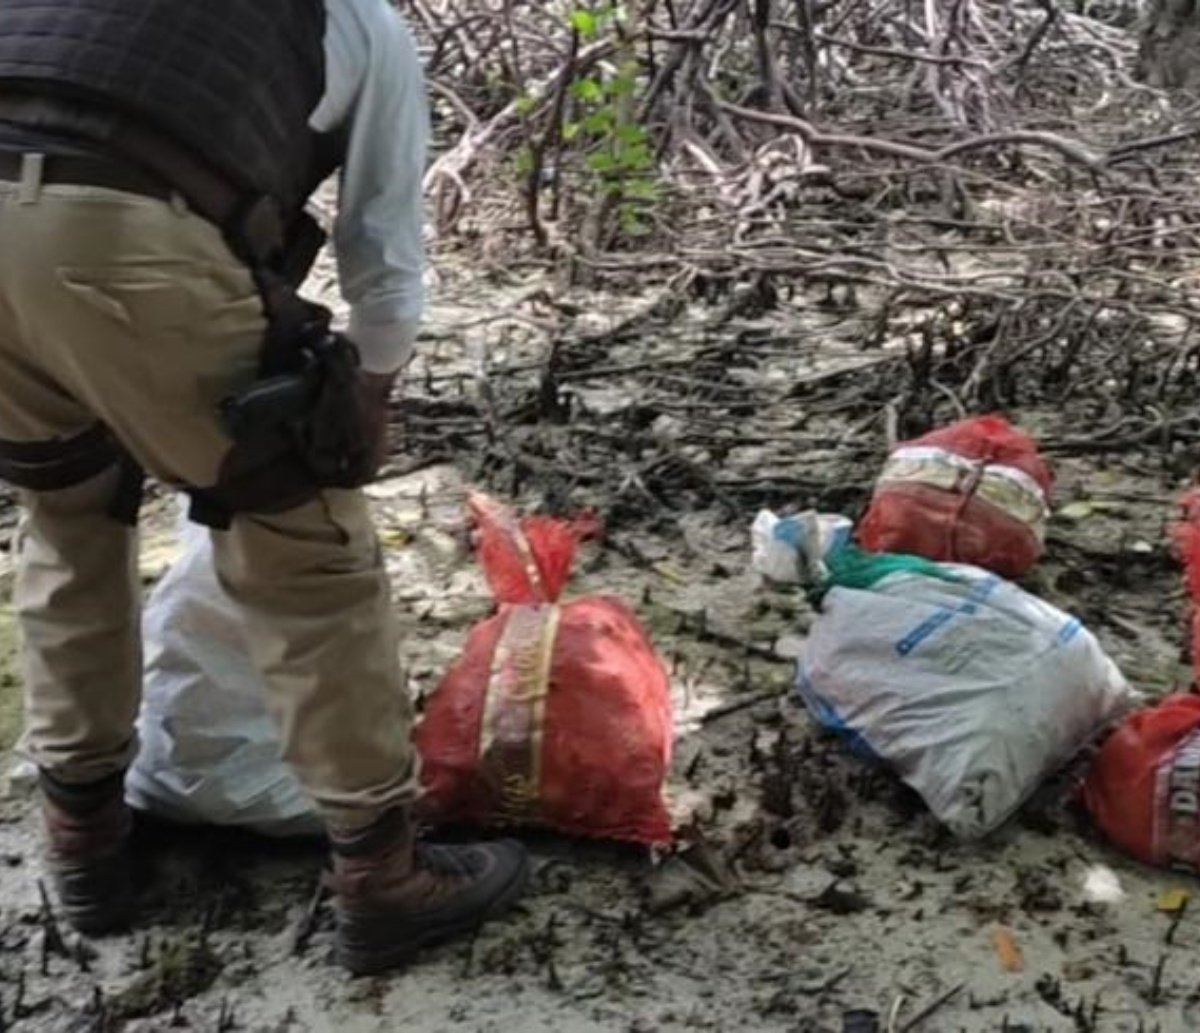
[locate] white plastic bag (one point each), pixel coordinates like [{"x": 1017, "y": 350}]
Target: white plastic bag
[
  {"x": 210, "y": 752},
  {"x": 971, "y": 689},
  {"x": 792, "y": 550}
]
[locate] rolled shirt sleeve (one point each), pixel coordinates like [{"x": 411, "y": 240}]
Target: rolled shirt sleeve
[{"x": 375, "y": 89}]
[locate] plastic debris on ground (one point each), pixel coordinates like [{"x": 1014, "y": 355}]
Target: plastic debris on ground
[
  {"x": 558, "y": 715},
  {"x": 1101, "y": 885},
  {"x": 209, "y": 751},
  {"x": 971, "y": 689},
  {"x": 693, "y": 878},
  {"x": 975, "y": 492}
]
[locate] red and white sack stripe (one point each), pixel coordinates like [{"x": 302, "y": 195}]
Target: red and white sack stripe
[{"x": 1009, "y": 489}]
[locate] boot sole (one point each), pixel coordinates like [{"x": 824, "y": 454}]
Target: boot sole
[
  {"x": 369, "y": 961},
  {"x": 90, "y": 920},
  {"x": 96, "y": 901}
]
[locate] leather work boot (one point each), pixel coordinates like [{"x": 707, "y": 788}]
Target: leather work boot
[
  {"x": 394, "y": 896},
  {"x": 87, "y": 831}
]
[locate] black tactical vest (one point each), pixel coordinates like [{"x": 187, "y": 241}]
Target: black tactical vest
[{"x": 232, "y": 81}]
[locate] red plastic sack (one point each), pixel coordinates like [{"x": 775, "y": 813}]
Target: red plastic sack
[
  {"x": 1186, "y": 536},
  {"x": 975, "y": 492},
  {"x": 557, "y": 715},
  {"x": 1144, "y": 788},
  {"x": 525, "y": 559}
]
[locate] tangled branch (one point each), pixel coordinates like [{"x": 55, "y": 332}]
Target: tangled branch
[{"x": 997, "y": 211}]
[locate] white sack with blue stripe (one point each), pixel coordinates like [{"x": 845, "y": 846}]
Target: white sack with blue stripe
[{"x": 973, "y": 690}]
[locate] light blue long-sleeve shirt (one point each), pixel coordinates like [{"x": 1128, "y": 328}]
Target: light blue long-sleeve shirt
[{"x": 375, "y": 86}]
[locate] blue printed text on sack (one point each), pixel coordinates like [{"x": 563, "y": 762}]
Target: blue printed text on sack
[{"x": 943, "y": 615}]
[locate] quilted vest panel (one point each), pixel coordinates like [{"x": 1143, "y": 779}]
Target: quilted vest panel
[{"x": 235, "y": 81}]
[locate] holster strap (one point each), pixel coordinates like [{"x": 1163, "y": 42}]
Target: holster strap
[
  {"x": 60, "y": 463},
  {"x": 275, "y": 487},
  {"x": 65, "y": 462}
]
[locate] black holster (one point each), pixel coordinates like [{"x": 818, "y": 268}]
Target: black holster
[
  {"x": 315, "y": 412},
  {"x": 297, "y": 429}
]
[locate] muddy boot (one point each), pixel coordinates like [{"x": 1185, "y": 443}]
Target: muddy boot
[
  {"x": 87, "y": 832},
  {"x": 394, "y": 897}
]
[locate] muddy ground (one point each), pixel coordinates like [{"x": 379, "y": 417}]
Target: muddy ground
[{"x": 819, "y": 887}]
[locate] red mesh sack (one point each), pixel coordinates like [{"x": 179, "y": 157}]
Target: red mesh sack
[
  {"x": 975, "y": 492},
  {"x": 557, "y": 715},
  {"x": 1143, "y": 790},
  {"x": 525, "y": 559}
]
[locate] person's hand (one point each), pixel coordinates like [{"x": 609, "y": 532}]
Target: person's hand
[{"x": 374, "y": 392}]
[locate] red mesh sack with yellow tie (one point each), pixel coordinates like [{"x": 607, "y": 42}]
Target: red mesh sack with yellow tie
[
  {"x": 975, "y": 492},
  {"x": 558, "y": 714},
  {"x": 1143, "y": 790}
]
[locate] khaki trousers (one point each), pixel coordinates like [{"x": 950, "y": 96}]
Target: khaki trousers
[{"x": 133, "y": 312}]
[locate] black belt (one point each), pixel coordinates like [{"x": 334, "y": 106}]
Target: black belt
[
  {"x": 88, "y": 171},
  {"x": 254, "y": 224}
]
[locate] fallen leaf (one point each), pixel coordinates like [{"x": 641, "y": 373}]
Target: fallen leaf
[
  {"x": 670, "y": 573},
  {"x": 1077, "y": 510},
  {"x": 1007, "y": 951},
  {"x": 1081, "y": 509},
  {"x": 394, "y": 538},
  {"x": 1172, "y": 900}
]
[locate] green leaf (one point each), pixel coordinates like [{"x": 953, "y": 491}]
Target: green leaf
[
  {"x": 526, "y": 105},
  {"x": 523, "y": 161},
  {"x": 637, "y": 157},
  {"x": 587, "y": 90},
  {"x": 570, "y": 130},
  {"x": 599, "y": 122},
  {"x": 642, "y": 190},
  {"x": 622, "y": 86},
  {"x": 601, "y": 162},
  {"x": 585, "y": 23},
  {"x": 631, "y": 133}
]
